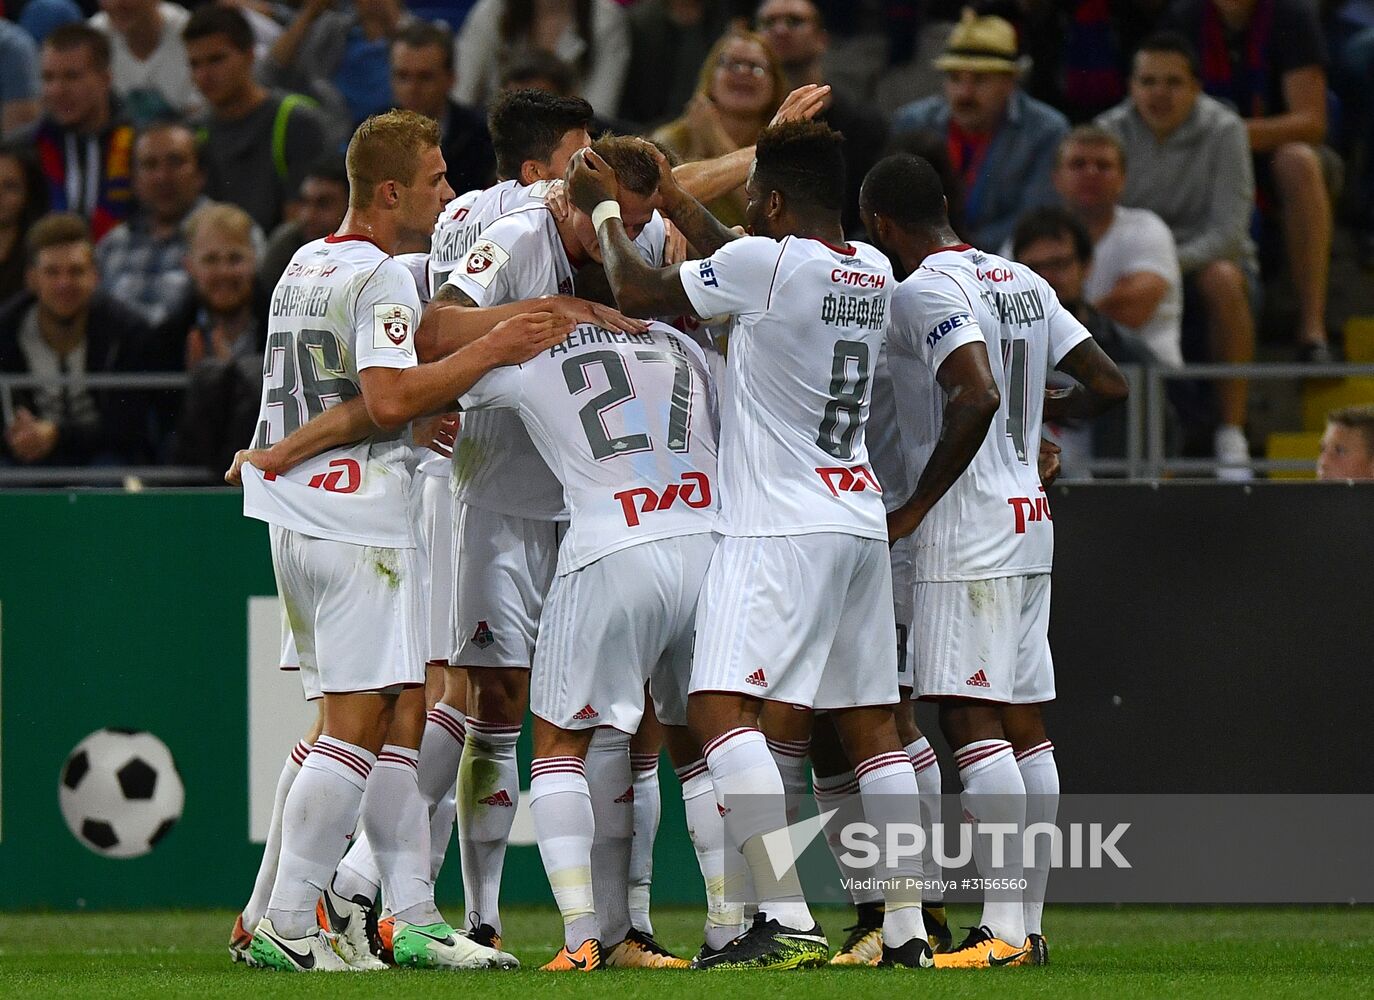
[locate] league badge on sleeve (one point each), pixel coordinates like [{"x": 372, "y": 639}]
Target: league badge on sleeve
[
  {"x": 483, "y": 261},
  {"x": 393, "y": 326}
]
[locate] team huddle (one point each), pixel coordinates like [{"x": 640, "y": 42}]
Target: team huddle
[{"x": 597, "y": 458}]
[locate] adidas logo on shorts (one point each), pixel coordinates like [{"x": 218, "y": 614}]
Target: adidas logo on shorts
[
  {"x": 979, "y": 680},
  {"x": 629, "y": 796},
  {"x": 497, "y": 798},
  {"x": 586, "y": 713},
  {"x": 757, "y": 679}
]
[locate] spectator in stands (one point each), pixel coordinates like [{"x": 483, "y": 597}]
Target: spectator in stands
[
  {"x": 1266, "y": 59},
  {"x": 1135, "y": 278},
  {"x": 669, "y": 40},
  {"x": 1189, "y": 163},
  {"x": 1001, "y": 141},
  {"x": 1054, "y": 244},
  {"x": 18, "y": 79},
  {"x": 421, "y": 78},
  {"x": 590, "y": 35},
  {"x": 40, "y": 18},
  {"x": 257, "y": 144},
  {"x": 140, "y": 260},
  {"x": 339, "y": 57},
  {"x": 67, "y": 326},
  {"x": 321, "y": 205},
  {"x": 223, "y": 326},
  {"x": 23, "y": 201},
  {"x": 1348, "y": 445},
  {"x": 148, "y": 58},
  {"x": 83, "y": 144},
  {"x": 739, "y": 89},
  {"x": 794, "y": 29}
]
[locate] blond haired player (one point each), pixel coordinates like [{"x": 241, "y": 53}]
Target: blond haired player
[{"x": 343, "y": 320}]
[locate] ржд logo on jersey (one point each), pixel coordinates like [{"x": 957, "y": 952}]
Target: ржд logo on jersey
[
  {"x": 839, "y": 480},
  {"x": 393, "y": 325},
  {"x": 694, "y": 491},
  {"x": 483, "y": 261},
  {"x": 1030, "y": 509}
]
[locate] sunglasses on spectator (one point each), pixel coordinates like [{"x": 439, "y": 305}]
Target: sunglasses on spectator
[
  {"x": 792, "y": 21},
  {"x": 742, "y": 66}
]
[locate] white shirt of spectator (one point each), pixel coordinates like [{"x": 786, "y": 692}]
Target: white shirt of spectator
[
  {"x": 343, "y": 305},
  {"x": 995, "y": 520},
  {"x": 167, "y": 70},
  {"x": 627, "y": 423},
  {"x": 807, "y": 327},
  {"x": 1139, "y": 241}
]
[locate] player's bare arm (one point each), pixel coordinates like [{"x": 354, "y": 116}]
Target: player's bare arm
[
  {"x": 395, "y": 396},
  {"x": 971, "y": 401},
  {"x": 1100, "y": 385},
  {"x": 640, "y": 290},
  {"x": 336, "y": 426},
  {"x": 452, "y": 320},
  {"x": 702, "y": 229}
]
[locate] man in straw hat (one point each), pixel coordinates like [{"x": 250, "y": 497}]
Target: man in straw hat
[{"x": 1001, "y": 141}]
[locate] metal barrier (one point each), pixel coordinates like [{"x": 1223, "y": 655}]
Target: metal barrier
[{"x": 1146, "y": 413}]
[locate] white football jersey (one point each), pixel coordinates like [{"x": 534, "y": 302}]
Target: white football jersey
[
  {"x": 343, "y": 305},
  {"x": 807, "y": 326},
  {"x": 884, "y": 438},
  {"x": 427, "y": 460},
  {"x": 627, "y": 423},
  {"x": 995, "y": 519},
  {"x": 466, "y": 217}
]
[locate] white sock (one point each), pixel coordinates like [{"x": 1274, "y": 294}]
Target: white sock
[
  {"x": 647, "y": 809},
  {"x": 1041, "y": 777},
  {"x": 706, "y": 828},
  {"x": 396, "y": 820},
  {"x": 887, "y": 785},
  {"x": 488, "y": 791},
  {"x": 994, "y": 793},
  {"x": 790, "y": 757},
  {"x": 612, "y": 792},
  {"x": 320, "y": 812},
  {"x": 359, "y": 877},
  {"x": 271, "y": 851},
  {"x": 742, "y": 768},
  {"x": 441, "y": 750},
  {"x": 841, "y": 793},
  {"x": 927, "y": 769},
  {"x": 561, "y": 807}
]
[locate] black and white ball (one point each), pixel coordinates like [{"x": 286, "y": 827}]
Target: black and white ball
[{"x": 120, "y": 792}]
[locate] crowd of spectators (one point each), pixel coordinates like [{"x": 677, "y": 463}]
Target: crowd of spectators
[{"x": 1159, "y": 161}]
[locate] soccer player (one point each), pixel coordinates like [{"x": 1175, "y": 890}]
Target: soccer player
[
  {"x": 343, "y": 321},
  {"x": 973, "y": 337},
  {"x": 801, "y": 579},
  {"x": 626, "y": 424}
]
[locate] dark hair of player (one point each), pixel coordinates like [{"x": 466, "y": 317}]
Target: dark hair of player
[
  {"x": 211, "y": 19},
  {"x": 1172, "y": 41},
  {"x": 804, "y": 161},
  {"x": 1052, "y": 223},
  {"x": 529, "y": 125},
  {"x": 906, "y": 189},
  {"x": 426, "y": 35},
  {"x": 635, "y": 167},
  {"x": 81, "y": 36}
]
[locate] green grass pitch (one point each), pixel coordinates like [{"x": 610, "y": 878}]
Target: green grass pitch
[{"x": 1095, "y": 952}]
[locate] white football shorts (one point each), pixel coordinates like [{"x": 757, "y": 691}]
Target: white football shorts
[
  {"x": 352, "y": 610},
  {"x": 290, "y": 660},
  {"x": 805, "y": 620},
  {"x": 611, "y": 626},
  {"x": 432, "y": 506},
  {"x": 505, "y": 566},
  {"x": 901, "y": 610},
  {"x": 984, "y": 639}
]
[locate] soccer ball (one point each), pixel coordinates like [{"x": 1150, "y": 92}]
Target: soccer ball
[{"x": 120, "y": 792}]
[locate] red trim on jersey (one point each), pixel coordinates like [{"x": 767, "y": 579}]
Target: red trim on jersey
[
  {"x": 849, "y": 250},
  {"x": 957, "y": 247},
  {"x": 354, "y": 238}
]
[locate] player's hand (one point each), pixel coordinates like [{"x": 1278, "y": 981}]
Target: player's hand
[
  {"x": 675, "y": 248},
  {"x": 516, "y": 340},
  {"x": 902, "y": 522},
  {"x": 1049, "y": 462},
  {"x": 582, "y": 311},
  {"x": 590, "y": 181},
  {"x": 438, "y": 434},
  {"x": 556, "y": 200},
  {"x": 30, "y": 439},
  {"x": 802, "y": 104},
  {"x": 255, "y": 457}
]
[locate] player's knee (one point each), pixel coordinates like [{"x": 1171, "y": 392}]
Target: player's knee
[
  {"x": 498, "y": 695},
  {"x": 1024, "y": 726},
  {"x": 905, "y": 717}
]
